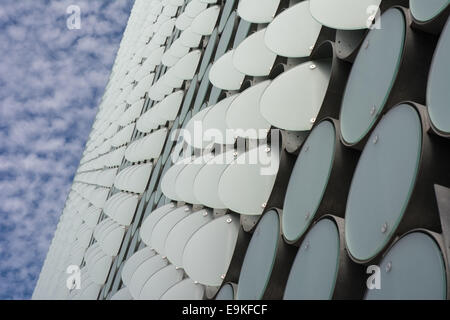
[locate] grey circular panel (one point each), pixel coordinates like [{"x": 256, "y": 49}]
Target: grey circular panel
[
  {"x": 259, "y": 258},
  {"x": 308, "y": 180},
  {"x": 314, "y": 271},
  {"x": 413, "y": 269},
  {"x": 383, "y": 182},
  {"x": 438, "y": 93},
  {"x": 226, "y": 292},
  {"x": 372, "y": 76},
  {"x": 426, "y": 10}
]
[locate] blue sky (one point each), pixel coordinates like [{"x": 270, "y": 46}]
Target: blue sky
[{"x": 51, "y": 80}]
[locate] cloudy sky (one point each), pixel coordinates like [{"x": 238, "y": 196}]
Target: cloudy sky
[{"x": 51, "y": 80}]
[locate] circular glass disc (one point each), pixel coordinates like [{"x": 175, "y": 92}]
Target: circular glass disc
[
  {"x": 160, "y": 282},
  {"x": 424, "y": 11},
  {"x": 308, "y": 180},
  {"x": 372, "y": 76},
  {"x": 163, "y": 227},
  {"x": 251, "y": 176},
  {"x": 134, "y": 262},
  {"x": 344, "y": 14},
  {"x": 293, "y": 100},
  {"x": 253, "y": 57},
  {"x": 226, "y": 292},
  {"x": 413, "y": 269},
  {"x": 293, "y": 32},
  {"x": 438, "y": 94},
  {"x": 206, "y": 184},
  {"x": 244, "y": 115},
  {"x": 183, "y": 22},
  {"x": 184, "y": 183},
  {"x": 314, "y": 271},
  {"x": 185, "y": 290},
  {"x": 214, "y": 126},
  {"x": 208, "y": 252},
  {"x": 224, "y": 75},
  {"x": 144, "y": 272},
  {"x": 258, "y": 11},
  {"x": 383, "y": 182},
  {"x": 168, "y": 108},
  {"x": 190, "y": 38},
  {"x": 259, "y": 258},
  {"x": 179, "y": 235},
  {"x": 185, "y": 68},
  {"x": 204, "y": 23},
  {"x": 168, "y": 183},
  {"x": 149, "y": 223}
]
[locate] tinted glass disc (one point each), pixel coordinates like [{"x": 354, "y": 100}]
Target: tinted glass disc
[{"x": 383, "y": 182}]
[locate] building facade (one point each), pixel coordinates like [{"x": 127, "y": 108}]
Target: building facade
[{"x": 265, "y": 149}]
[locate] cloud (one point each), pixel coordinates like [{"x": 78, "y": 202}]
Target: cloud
[{"x": 51, "y": 81}]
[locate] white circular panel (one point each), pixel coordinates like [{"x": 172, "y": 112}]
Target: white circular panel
[
  {"x": 224, "y": 75},
  {"x": 253, "y": 57},
  {"x": 293, "y": 100},
  {"x": 344, "y": 14},
  {"x": 185, "y": 290},
  {"x": 244, "y": 115},
  {"x": 293, "y": 32},
  {"x": 258, "y": 11},
  {"x": 251, "y": 176},
  {"x": 208, "y": 253},
  {"x": 206, "y": 184},
  {"x": 180, "y": 234},
  {"x": 163, "y": 227}
]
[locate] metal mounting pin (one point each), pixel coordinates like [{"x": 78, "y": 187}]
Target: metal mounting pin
[
  {"x": 384, "y": 227},
  {"x": 388, "y": 266},
  {"x": 375, "y": 139}
]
